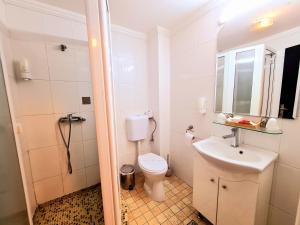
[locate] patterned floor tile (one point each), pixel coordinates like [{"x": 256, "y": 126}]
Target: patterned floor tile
[
  {"x": 138, "y": 208},
  {"x": 79, "y": 208}
]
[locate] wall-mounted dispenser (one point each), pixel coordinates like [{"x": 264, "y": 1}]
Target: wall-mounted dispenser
[
  {"x": 24, "y": 70},
  {"x": 202, "y": 105}
]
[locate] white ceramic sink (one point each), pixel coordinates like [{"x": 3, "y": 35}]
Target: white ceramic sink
[{"x": 246, "y": 157}]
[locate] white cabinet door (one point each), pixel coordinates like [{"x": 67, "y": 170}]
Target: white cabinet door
[
  {"x": 237, "y": 202},
  {"x": 205, "y": 192}
]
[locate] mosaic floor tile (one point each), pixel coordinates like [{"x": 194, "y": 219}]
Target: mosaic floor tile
[
  {"x": 79, "y": 208},
  {"x": 139, "y": 209}
]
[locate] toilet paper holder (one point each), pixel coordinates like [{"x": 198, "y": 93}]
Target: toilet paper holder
[{"x": 190, "y": 130}]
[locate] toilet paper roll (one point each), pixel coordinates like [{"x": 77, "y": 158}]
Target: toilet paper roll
[{"x": 189, "y": 137}]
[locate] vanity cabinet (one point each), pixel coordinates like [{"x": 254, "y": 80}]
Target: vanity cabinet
[
  {"x": 205, "y": 195},
  {"x": 236, "y": 202},
  {"x": 228, "y": 196}
]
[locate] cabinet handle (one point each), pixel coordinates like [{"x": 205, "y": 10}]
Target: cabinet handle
[
  {"x": 212, "y": 180},
  {"x": 224, "y": 186}
]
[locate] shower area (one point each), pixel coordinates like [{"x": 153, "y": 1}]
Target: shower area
[{"x": 49, "y": 162}]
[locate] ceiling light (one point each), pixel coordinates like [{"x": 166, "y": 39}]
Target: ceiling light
[
  {"x": 238, "y": 7},
  {"x": 265, "y": 22}
]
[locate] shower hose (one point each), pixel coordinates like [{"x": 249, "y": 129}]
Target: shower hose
[{"x": 67, "y": 142}]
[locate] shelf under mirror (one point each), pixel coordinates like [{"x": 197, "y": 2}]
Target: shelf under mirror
[{"x": 257, "y": 129}]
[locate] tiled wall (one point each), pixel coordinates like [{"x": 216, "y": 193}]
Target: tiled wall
[
  {"x": 159, "y": 87},
  {"x": 36, "y": 17},
  {"x": 192, "y": 75},
  {"x": 130, "y": 78},
  {"x": 60, "y": 79}
]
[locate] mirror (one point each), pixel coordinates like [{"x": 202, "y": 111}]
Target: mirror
[{"x": 258, "y": 62}]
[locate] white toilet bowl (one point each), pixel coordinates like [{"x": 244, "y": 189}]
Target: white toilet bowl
[{"x": 154, "y": 169}]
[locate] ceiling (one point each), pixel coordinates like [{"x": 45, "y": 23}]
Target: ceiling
[
  {"x": 140, "y": 15},
  {"x": 243, "y": 29},
  {"x": 72, "y": 5},
  {"x": 144, "y": 15}
]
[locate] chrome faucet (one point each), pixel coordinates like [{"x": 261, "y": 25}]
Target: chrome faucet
[{"x": 235, "y": 135}]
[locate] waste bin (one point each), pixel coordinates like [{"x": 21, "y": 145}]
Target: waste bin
[{"x": 127, "y": 177}]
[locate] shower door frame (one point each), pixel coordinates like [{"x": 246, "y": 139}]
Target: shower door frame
[
  {"x": 98, "y": 26},
  {"x": 14, "y": 123}
]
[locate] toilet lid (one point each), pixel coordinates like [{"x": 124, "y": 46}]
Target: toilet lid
[{"x": 152, "y": 163}]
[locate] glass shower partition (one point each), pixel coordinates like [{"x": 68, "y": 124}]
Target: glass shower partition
[{"x": 12, "y": 198}]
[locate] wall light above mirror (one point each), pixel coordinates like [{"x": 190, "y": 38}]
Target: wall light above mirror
[{"x": 258, "y": 61}]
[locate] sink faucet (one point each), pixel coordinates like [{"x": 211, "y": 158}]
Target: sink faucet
[{"x": 235, "y": 135}]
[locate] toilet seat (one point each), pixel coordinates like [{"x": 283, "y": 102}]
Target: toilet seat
[{"x": 152, "y": 163}]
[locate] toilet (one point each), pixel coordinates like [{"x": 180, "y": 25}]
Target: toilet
[
  {"x": 154, "y": 169},
  {"x": 153, "y": 166}
]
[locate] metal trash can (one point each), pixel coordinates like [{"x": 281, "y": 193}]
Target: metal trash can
[{"x": 127, "y": 177}]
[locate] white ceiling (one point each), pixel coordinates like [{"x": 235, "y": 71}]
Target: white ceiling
[
  {"x": 144, "y": 15},
  {"x": 72, "y": 5},
  {"x": 140, "y": 15},
  {"x": 242, "y": 29}
]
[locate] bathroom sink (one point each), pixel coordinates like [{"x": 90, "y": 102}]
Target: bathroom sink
[{"x": 245, "y": 157}]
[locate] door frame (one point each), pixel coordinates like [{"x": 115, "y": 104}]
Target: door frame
[{"x": 98, "y": 26}]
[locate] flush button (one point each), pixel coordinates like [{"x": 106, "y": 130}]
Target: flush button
[{"x": 86, "y": 100}]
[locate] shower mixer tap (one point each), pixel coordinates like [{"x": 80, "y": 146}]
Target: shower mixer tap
[{"x": 69, "y": 119}]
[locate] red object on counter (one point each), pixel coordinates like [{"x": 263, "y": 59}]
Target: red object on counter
[{"x": 244, "y": 122}]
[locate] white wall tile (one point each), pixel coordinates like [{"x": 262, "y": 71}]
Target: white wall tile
[
  {"x": 88, "y": 126},
  {"x": 79, "y": 31},
  {"x": 62, "y": 64},
  {"x": 130, "y": 78},
  {"x": 290, "y": 145},
  {"x": 31, "y": 21},
  {"x": 56, "y": 25},
  {"x": 35, "y": 52},
  {"x": 75, "y": 181},
  {"x": 90, "y": 152},
  {"x": 261, "y": 140},
  {"x": 85, "y": 90},
  {"x": 65, "y": 96},
  {"x": 182, "y": 157},
  {"x": 30, "y": 102},
  {"x": 39, "y": 131},
  {"x": 77, "y": 157},
  {"x": 48, "y": 189},
  {"x": 279, "y": 217},
  {"x": 286, "y": 189},
  {"x": 44, "y": 163},
  {"x": 92, "y": 175},
  {"x": 83, "y": 64}
]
